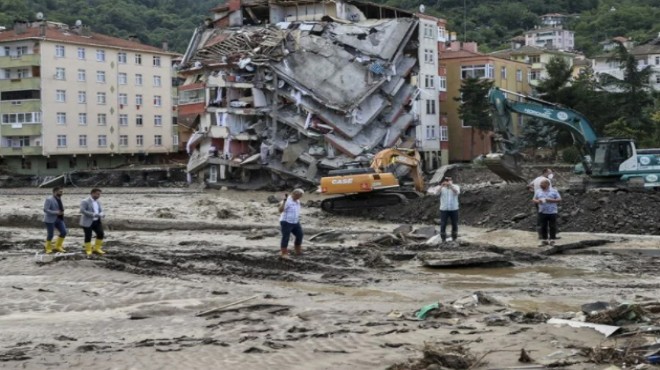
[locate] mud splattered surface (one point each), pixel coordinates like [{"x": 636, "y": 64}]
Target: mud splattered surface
[{"x": 349, "y": 302}]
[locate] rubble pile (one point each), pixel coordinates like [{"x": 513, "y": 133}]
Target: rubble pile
[
  {"x": 297, "y": 98},
  {"x": 509, "y": 206}
]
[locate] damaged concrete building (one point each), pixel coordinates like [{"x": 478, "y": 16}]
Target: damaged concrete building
[{"x": 287, "y": 90}]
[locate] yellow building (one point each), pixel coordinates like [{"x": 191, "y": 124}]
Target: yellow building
[
  {"x": 74, "y": 99},
  {"x": 468, "y": 62},
  {"x": 537, "y": 58}
]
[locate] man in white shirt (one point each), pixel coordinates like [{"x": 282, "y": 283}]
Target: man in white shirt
[
  {"x": 290, "y": 223},
  {"x": 449, "y": 207}
]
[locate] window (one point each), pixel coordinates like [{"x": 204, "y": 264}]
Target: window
[
  {"x": 21, "y": 50},
  {"x": 442, "y": 83},
  {"x": 138, "y": 80},
  {"x": 429, "y": 30},
  {"x": 158, "y": 140},
  {"x": 657, "y": 60},
  {"x": 157, "y": 81},
  {"x": 430, "y": 106},
  {"x": 138, "y": 120},
  {"x": 519, "y": 76},
  {"x": 139, "y": 140},
  {"x": 103, "y": 141},
  {"x": 101, "y": 119},
  {"x": 430, "y": 132},
  {"x": 122, "y": 78},
  {"x": 82, "y": 76},
  {"x": 23, "y": 73},
  {"x": 61, "y": 118},
  {"x": 60, "y": 73},
  {"x": 535, "y": 59},
  {"x": 657, "y": 78},
  {"x": 158, "y": 101},
  {"x": 82, "y": 97},
  {"x": 429, "y": 56},
  {"x": 534, "y": 75},
  {"x": 123, "y": 99},
  {"x": 82, "y": 119},
  {"x": 156, "y": 61},
  {"x": 59, "y": 51},
  {"x": 60, "y": 96},
  {"x": 123, "y": 140},
  {"x": 479, "y": 70},
  {"x": 29, "y": 117},
  {"x": 429, "y": 81},
  {"x": 100, "y": 55},
  {"x": 123, "y": 120},
  {"x": 444, "y": 133},
  {"x": 503, "y": 73},
  {"x": 100, "y": 98},
  {"x": 100, "y": 77},
  {"x": 82, "y": 140},
  {"x": 61, "y": 141},
  {"x": 138, "y": 99},
  {"x": 121, "y": 58},
  {"x": 6, "y": 74},
  {"x": 81, "y": 53},
  {"x": 158, "y": 120},
  {"x": 138, "y": 59}
]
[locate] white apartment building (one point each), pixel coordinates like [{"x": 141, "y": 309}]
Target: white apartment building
[
  {"x": 427, "y": 104},
  {"x": 73, "y": 99},
  {"x": 647, "y": 54},
  {"x": 551, "y": 38}
]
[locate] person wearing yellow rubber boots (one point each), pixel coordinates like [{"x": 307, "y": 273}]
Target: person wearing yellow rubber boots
[
  {"x": 54, "y": 219},
  {"x": 90, "y": 219}
]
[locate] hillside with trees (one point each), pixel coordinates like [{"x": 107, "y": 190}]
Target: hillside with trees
[{"x": 489, "y": 22}]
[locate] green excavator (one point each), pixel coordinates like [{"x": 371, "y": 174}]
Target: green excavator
[{"x": 606, "y": 161}]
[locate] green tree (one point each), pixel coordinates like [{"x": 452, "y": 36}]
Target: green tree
[
  {"x": 538, "y": 134},
  {"x": 553, "y": 88},
  {"x": 632, "y": 92},
  {"x": 475, "y": 109}
]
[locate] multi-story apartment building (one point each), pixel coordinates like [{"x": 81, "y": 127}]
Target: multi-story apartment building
[
  {"x": 280, "y": 88},
  {"x": 463, "y": 60},
  {"x": 647, "y": 54},
  {"x": 537, "y": 58},
  {"x": 555, "y": 37},
  {"x": 73, "y": 99}
]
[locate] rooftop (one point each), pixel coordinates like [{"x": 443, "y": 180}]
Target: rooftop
[{"x": 71, "y": 36}]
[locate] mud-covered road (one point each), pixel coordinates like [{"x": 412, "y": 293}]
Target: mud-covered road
[{"x": 349, "y": 302}]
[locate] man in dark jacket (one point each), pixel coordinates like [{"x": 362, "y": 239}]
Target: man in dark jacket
[{"x": 54, "y": 219}]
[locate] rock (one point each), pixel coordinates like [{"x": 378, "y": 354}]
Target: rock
[
  {"x": 604, "y": 200},
  {"x": 519, "y": 217},
  {"x": 403, "y": 229},
  {"x": 475, "y": 259},
  {"x": 272, "y": 199},
  {"x": 427, "y": 231},
  {"x": 591, "y": 308}
]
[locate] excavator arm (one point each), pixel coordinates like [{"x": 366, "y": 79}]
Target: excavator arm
[
  {"x": 389, "y": 159},
  {"x": 506, "y": 160}
]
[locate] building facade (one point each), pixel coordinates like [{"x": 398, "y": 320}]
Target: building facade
[
  {"x": 73, "y": 99},
  {"x": 647, "y": 55},
  {"x": 537, "y": 58},
  {"x": 556, "y": 37},
  {"x": 462, "y": 60}
]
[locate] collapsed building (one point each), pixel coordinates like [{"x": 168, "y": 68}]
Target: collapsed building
[{"x": 287, "y": 90}]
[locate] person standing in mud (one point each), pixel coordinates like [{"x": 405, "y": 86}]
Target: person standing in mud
[
  {"x": 547, "y": 198},
  {"x": 449, "y": 193},
  {"x": 54, "y": 219},
  {"x": 536, "y": 185},
  {"x": 90, "y": 220},
  {"x": 290, "y": 223}
]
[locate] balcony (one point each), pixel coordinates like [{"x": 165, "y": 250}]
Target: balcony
[
  {"x": 25, "y": 129},
  {"x": 20, "y": 150},
  {"x": 20, "y": 106},
  {"x": 20, "y": 61},
  {"x": 30, "y": 83}
]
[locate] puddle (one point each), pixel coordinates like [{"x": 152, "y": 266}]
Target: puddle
[{"x": 536, "y": 272}]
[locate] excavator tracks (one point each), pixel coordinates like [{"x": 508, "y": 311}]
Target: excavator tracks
[{"x": 367, "y": 200}]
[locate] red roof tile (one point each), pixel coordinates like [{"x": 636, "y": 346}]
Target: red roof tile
[{"x": 69, "y": 36}]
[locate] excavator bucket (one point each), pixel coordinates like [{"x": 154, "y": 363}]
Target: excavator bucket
[{"x": 505, "y": 166}]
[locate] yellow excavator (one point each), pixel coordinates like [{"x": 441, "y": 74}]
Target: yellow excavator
[{"x": 375, "y": 186}]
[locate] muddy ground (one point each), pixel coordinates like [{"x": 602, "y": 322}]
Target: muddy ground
[{"x": 349, "y": 302}]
